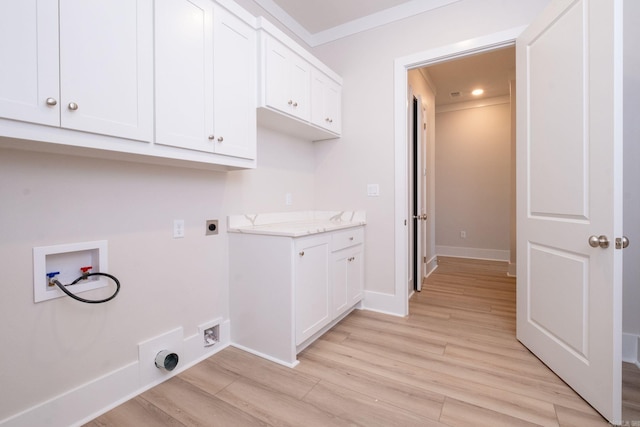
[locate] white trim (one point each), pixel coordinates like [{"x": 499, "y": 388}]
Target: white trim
[
  {"x": 384, "y": 303},
  {"x": 631, "y": 348},
  {"x": 80, "y": 405},
  {"x": 378, "y": 19},
  {"x": 476, "y": 253},
  {"x": 401, "y": 66},
  {"x": 265, "y": 356},
  {"x": 512, "y": 269}
]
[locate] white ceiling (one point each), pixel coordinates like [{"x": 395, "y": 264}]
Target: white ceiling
[
  {"x": 318, "y": 22},
  {"x": 489, "y": 71}
]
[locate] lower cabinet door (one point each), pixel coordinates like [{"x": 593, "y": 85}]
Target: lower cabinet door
[{"x": 312, "y": 286}]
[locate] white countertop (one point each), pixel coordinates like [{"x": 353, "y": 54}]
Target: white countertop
[{"x": 295, "y": 224}]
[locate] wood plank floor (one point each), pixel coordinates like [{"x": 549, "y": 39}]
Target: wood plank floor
[{"x": 454, "y": 361}]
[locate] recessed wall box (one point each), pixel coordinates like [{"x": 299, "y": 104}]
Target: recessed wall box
[{"x": 67, "y": 261}]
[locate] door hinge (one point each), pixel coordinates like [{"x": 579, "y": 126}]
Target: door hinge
[{"x": 424, "y": 259}]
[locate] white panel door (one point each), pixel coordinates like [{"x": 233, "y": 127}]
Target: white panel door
[
  {"x": 234, "y": 92},
  {"x": 184, "y": 73},
  {"x": 106, "y": 67},
  {"x": 29, "y": 61},
  {"x": 569, "y": 187}
]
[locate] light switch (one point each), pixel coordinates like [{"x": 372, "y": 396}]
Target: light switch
[
  {"x": 373, "y": 190},
  {"x": 178, "y": 228}
]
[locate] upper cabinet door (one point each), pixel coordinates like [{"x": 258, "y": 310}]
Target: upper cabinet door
[
  {"x": 287, "y": 80},
  {"x": 234, "y": 91},
  {"x": 29, "y": 65},
  {"x": 184, "y": 74},
  {"x": 106, "y": 67},
  {"x": 326, "y": 102}
]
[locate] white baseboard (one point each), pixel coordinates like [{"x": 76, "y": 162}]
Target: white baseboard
[
  {"x": 512, "y": 271},
  {"x": 80, "y": 405},
  {"x": 631, "y": 348},
  {"x": 383, "y": 303},
  {"x": 432, "y": 264},
  {"x": 476, "y": 253}
]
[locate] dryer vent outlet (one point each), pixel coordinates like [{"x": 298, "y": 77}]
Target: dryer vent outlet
[{"x": 166, "y": 360}]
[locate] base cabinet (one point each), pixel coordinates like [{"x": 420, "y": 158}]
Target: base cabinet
[
  {"x": 311, "y": 286},
  {"x": 286, "y": 291}
]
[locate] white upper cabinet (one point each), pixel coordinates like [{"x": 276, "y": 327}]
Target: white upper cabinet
[
  {"x": 79, "y": 65},
  {"x": 326, "y": 105},
  {"x": 287, "y": 79},
  {"x": 106, "y": 67},
  {"x": 184, "y": 73},
  {"x": 29, "y": 68},
  {"x": 205, "y": 79},
  {"x": 298, "y": 94},
  {"x": 234, "y": 86}
]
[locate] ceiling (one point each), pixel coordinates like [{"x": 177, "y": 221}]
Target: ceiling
[
  {"x": 490, "y": 71},
  {"x": 318, "y": 22}
]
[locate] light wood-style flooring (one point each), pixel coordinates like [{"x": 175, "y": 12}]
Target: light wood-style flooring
[{"x": 454, "y": 361}]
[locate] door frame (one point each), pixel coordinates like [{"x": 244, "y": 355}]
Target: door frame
[{"x": 401, "y": 144}]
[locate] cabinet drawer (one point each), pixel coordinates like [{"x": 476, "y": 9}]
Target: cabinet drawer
[{"x": 349, "y": 237}]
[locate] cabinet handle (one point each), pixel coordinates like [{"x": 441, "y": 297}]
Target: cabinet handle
[
  {"x": 301, "y": 253},
  {"x": 295, "y": 104},
  {"x": 351, "y": 259},
  {"x": 328, "y": 120},
  {"x": 51, "y": 102},
  {"x": 211, "y": 137},
  {"x": 290, "y": 102},
  {"x": 220, "y": 139},
  {"x": 351, "y": 238},
  {"x": 73, "y": 106}
]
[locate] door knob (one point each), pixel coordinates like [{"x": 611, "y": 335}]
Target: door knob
[
  {"x": 622, "y": 242},
  {"x": 602, "y": 241}
]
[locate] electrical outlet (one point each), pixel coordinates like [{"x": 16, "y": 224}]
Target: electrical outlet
[
  {"x": 288, "y": 199},
  {"x": 178, "y": 228},
  {"x": 463, "y": 234},
  {"x": 212, "y": 227}
]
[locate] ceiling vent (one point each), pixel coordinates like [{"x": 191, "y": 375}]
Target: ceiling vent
[{"x": 455, "y": 94}]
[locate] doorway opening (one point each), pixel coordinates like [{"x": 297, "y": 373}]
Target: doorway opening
[{"x": 473, "y": 168}]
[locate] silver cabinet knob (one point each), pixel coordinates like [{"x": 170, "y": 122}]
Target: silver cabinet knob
[
  {"x": 73, "y": 106},
  {"x": 51, "y": 102},
  {"x": 328, "y": 120},
  {"x": 301, "y": 253},
  {"x": 602, "y": 241},
  {"x": 211, "y": 137},
  {"x": 290, "y": 102},
  {"x": 220, "y": 139},
  {"x": 295, "y": 104}
]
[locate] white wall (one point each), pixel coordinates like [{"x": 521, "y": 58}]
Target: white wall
[
  {"x": 631, "y": 291},
  {"x": 51, "y": 199},
  {"x": 473, "y": 191},
  {"x": 365, "y": 153},
  {"x": 52, "y": 347}
]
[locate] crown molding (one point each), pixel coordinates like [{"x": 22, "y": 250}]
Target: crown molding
[{"x": 378, "y": 19}]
